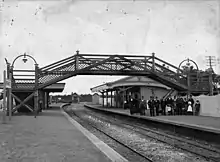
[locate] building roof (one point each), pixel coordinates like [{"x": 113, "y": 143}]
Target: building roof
[
  {"x": 75, "y": 94},
  {"x": 56, "y": 87},
  {"x": 130, "y": 81}
]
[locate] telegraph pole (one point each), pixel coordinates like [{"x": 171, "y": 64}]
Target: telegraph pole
[{"x": 211, "y": 60}]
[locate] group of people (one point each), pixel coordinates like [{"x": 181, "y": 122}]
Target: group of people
[{"x": 175, "y": 105}]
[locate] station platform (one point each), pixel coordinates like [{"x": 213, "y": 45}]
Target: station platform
[
  {"x": 199, "y": 127},
  {"x": 200, "y": 122},
  {"x": 50, "y": 137}
]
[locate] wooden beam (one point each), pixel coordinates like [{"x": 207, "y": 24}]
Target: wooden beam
[
  {"x": 16, "y": 107},
  {"x": 132, "y": 63},
  {"x": 22, "y": 102},
  {"x": 170, "y": 65},
  {"x": 54, "y": 64},
  {"x": 91, "y": 61},
  {"x": 63, "y": 64},
  {"x": 23, "y": 71},
  {"x": 22, "y": 75},
  {"x": 116, "y": 55}
]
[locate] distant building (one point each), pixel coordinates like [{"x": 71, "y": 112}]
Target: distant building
[
  {"x": 95, "y": 98},
  {"x": 75, "y": 98},
  {"x": 114, "y": 94}
]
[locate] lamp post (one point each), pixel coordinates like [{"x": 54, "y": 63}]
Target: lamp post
[
  {"x": 10, "y": 75},
  {"x": 188, "y": 71}
]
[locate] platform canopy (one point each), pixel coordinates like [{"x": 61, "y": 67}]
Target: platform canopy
[
  {"x": 56, "y": 87},
  {"x": 129, "y": 81}
]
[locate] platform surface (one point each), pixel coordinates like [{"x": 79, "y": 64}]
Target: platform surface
[
  {"x": 212, "y": 123},
  {"x": 48, "y": 138}
]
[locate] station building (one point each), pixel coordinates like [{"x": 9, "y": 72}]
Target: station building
[{"x": 115, "y": 94}]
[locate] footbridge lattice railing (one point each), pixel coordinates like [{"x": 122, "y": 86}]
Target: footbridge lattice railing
[
  {"x": 95, "y": 64},
  {"x": 87, "y": 64}
]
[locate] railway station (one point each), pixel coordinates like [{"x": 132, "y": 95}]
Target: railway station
[
  {"x": 149, "y": 76},
  {"x": 166, "y": 108}
]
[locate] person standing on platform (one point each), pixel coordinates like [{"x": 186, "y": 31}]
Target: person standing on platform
[
  {"x": 40, "y": 105},
  {"x": 182, "y": 106},
  {"x": 151, "y": 106},
  {"x": 185, "y": 105},
  {"x": 143, "y": 106},
  {"x": 179, "y": 105},
  {"x": 163, "y": 106},
  {"x": 174, "y": 106},
  {"x": 192, "y": 102},
  {"x": 197, "y": 107},
  {"x": 157, "y": 105},
  {"x": 189, "y": 109},
  {"x": 170, "y": 105}
]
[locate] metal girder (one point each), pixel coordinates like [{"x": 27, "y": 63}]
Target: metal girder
[
  {"x": 22, "y": 102},
  {"x": 48, "y": 67}
]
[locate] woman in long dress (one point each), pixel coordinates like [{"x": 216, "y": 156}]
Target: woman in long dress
[{"x": 189, "y": 109}]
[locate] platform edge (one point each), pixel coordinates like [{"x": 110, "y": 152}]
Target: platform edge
[{"x": 103, "y": 147}]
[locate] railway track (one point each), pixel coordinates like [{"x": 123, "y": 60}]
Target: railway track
[
  {"x": 79, "y": 119},
  {"x": 181, "y": 143}
]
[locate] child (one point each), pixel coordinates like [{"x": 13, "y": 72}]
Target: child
[{"x": 169, "y": 109}]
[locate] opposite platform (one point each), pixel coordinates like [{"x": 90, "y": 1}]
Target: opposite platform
[
  {"x": 211, "y": 124},
  {"x": 50, "y": 138},
  {"x": 196, "y": 127}
]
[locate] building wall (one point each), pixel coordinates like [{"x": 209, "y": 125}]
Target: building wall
[
  {"x": 150, "y": 91},
  {"x": 95, "y": 99}
]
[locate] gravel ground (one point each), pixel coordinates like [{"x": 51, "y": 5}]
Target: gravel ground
[
  {"x": 128, "y": 154},
  {"x": 163, "y": 137},
  {"x": 157, "y": 151}
]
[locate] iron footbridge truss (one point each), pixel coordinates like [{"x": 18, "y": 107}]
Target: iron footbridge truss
[{"x": 94, "y": 64}]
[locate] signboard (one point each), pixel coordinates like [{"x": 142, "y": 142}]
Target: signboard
[{"x": 8, "y": 83}]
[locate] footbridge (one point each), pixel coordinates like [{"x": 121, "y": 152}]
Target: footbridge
[{"x": 97, "y": 64}]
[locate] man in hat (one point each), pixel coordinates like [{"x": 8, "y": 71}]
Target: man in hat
[{"x": 151, "y": 106}]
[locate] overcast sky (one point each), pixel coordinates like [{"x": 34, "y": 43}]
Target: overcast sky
[{"x": 54, "y": 30}]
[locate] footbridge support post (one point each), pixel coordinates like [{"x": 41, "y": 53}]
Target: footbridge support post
[
  {"x": 36, "y": 96},
  {"x": 153, "y": 62},
  {"x": 76, "y": 61},
  {"x": 188, "y": 85},
  {"x": 210, "y": 84}
]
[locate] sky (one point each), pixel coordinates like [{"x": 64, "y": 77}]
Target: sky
[{"x": 54, "y": 30}]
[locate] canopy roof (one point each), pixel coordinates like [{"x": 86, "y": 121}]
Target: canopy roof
[
  {"x": 56, "y": 87},
  {"x": 130, "y": 81}
]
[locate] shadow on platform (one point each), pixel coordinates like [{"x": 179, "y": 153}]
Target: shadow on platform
[{"x": 52, "y": 111}]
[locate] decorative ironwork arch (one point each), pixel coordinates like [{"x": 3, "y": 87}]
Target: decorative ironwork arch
[
  {"x": 188, "y": 60},
  {"x": 24, "y": 55}
]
